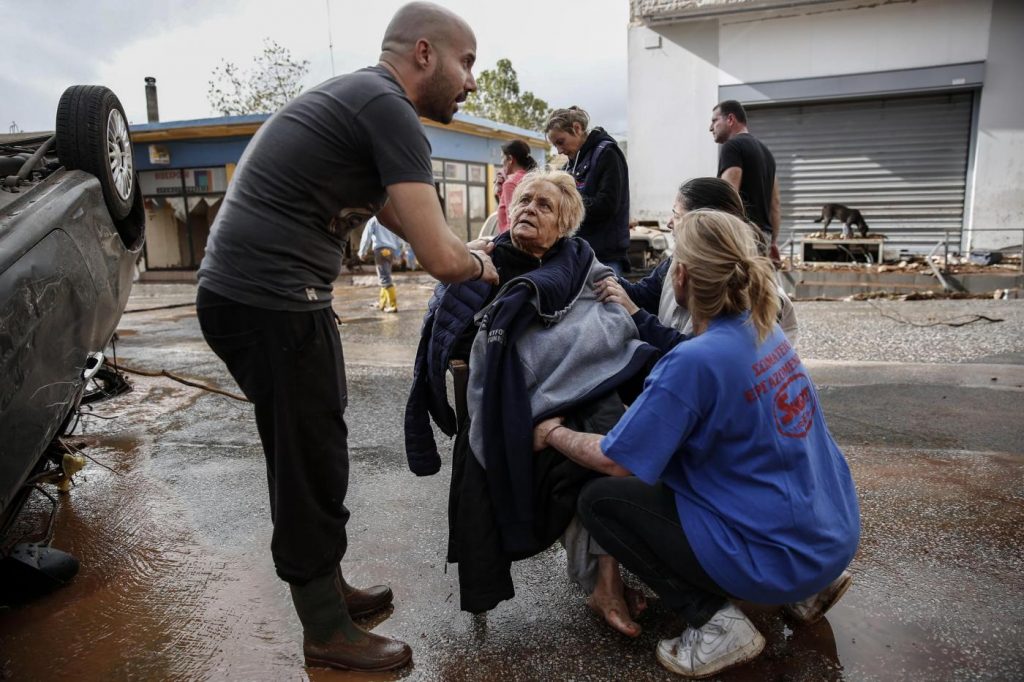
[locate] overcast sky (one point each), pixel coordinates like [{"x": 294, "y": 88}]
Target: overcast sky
[{"x": 565, "y": 51}]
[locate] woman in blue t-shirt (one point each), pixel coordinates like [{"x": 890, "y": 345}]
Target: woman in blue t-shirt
[{"x": 724, "y": 479}]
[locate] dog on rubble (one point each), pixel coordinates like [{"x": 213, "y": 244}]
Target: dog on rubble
[{"x": 848, "y": 216}]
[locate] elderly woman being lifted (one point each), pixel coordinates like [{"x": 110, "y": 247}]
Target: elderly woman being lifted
[{"x": 537, "y": 344}]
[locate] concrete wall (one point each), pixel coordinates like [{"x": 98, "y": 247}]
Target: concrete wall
[
  {"x": 675, "y": 71},
  {"x": 998, "y": 199},
  {"x": 673, "y": 83},
  {"x": 830, "y": 42}
]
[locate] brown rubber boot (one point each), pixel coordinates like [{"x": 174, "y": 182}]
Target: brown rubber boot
[
  {"x": 331, "y": 639},
  {"x": 363, "y": 602}
]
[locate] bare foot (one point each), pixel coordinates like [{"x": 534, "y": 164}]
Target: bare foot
[
  {"x": 613, "y": 608},
  {"x": 636, "y": 601}
]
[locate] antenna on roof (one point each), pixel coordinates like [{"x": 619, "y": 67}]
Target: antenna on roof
[{"x": 330, "y": 40}]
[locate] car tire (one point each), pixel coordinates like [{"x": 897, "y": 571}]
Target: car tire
[{"x": 93, "y": 136}]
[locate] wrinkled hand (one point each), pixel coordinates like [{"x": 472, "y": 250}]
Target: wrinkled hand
[
  {"x": 490, "y": 272},
  {"x": 485, "y": 245},
  {"x": 543, "y": 430},
  {"x": 610, "y": 291}
]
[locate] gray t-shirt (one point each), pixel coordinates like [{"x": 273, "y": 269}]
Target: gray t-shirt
[{"x": 316, "y": 170}]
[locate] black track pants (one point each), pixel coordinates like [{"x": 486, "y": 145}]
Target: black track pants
[{"x": 290, "y": 365}]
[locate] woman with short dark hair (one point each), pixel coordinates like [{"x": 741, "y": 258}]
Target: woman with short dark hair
[
  {"x": 516, "y": 162},
  {"x": 662, "y": 321}
]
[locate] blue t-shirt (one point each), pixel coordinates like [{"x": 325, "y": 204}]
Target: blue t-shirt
[{"x": 736, "y": 431}]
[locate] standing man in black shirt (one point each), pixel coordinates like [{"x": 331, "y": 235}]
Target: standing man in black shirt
[
  {"x": 348, "y": 149},
  {"x": 748, "y": 165}
]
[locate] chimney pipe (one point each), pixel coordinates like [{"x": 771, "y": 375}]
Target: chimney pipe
[{"x": 152, "y": 112}]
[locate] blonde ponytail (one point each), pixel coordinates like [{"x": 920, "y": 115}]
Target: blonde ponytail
[
  {"x": 725, "y": 274},
  {"x": 764, "y": 298}
]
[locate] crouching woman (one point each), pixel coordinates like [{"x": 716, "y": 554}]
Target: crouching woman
[{"x": 726, "y": 483}]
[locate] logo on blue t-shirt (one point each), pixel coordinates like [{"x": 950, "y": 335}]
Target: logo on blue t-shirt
[{"x": 794, "y": 406}]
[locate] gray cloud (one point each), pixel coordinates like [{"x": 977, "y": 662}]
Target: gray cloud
[{"x": 51, "y": 45}]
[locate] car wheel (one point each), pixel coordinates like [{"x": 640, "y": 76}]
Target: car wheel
[{"x": 92, "y": 135}]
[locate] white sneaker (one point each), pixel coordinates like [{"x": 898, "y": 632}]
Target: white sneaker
[
  {"x": 728, "y": 639},
  {"x": 811, "y": 610}
]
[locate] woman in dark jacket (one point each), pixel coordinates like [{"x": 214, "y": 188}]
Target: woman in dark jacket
[
  {"x": 544, "y": 345},
  {"x": 599, "y": 167},
  {"x": 661, "y": 321}
]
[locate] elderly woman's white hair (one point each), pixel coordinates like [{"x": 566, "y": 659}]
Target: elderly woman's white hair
[{"x": 570, "y": 205}]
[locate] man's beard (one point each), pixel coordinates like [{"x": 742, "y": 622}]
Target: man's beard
[{"x": 437, "y": 105}]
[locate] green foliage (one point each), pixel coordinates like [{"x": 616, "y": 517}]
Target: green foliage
[
  {"x": 499, "y": 99},
  {"x": 274, "y": 78}
]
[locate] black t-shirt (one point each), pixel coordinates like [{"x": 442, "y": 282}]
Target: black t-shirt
[
  {"x": 758, "y": 166},
  {"x": 316, "y": 170}
]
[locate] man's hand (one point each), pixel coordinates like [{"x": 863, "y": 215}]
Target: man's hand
[
  {"x": 415, "y": 210},
  {"x": 610, "y": 291},
  {"x": 543, "y": 430},
  {"x": 490, "y": 273}
]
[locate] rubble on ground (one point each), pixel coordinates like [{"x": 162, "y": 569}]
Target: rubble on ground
[{"x": 954, "y": 265}]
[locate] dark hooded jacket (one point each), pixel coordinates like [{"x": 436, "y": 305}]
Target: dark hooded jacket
[{"x": 603, "y": 179}]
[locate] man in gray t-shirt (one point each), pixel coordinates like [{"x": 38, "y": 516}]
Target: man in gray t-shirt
[{"x": 350, "y": 148}]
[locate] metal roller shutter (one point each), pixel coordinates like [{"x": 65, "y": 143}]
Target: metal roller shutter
[{"x": 901, "y": 161}]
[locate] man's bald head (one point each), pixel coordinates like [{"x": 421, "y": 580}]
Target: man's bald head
[
  {"x": 431, "y": 52},
  {"x": 422, "y": 21}
]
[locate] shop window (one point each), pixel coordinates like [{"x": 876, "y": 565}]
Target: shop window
[
  {"x": 477, "y": 209},
  {"x": 455, "y": 202},
  {"x": 180, "y": 208},
  {"x": 454, "y": 171},
  {"x": 464, "y": 194}
]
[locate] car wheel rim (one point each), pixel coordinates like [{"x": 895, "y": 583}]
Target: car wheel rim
[{"x": 119, "y": 154}]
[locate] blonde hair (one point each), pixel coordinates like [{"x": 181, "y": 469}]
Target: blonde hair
[
  {"x": 570, "y": 205},
  {"x": 563, "y": 119},
  {"x": 725, "y": 275}
]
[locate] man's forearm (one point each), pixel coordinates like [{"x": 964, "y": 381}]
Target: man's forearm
[
  {"x": 438, "y": 250},
  {"x": 584, "y": 449}
]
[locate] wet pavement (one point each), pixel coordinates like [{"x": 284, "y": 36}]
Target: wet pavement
[{"x": 176, "y": 579}]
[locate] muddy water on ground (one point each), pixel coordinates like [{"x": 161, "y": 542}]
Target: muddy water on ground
[
  {"x": 936, "y": 590},
  {"x": 176, "y": 581}
]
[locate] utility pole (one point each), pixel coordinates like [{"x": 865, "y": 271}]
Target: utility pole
[{"x": 330, "y": 40}]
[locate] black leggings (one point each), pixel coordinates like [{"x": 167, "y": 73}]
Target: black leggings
[
  {"x": 638, "y": 524},
  {"x": 290, "y": 365}
]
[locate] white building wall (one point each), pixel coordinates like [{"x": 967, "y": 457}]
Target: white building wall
[
  {"x": 998, "y": 198},
  {"x": 830, "y": 42},
  {"x": 674, "y": 85}
]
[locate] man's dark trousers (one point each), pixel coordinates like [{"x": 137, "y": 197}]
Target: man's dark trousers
[{"x": 290, "y": 366}]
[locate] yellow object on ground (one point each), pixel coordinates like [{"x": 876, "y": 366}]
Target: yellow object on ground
[{"x": 391, "y": 296}]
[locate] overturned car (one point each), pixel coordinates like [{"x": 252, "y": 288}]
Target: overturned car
[{"x": 71, "y": 230}]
